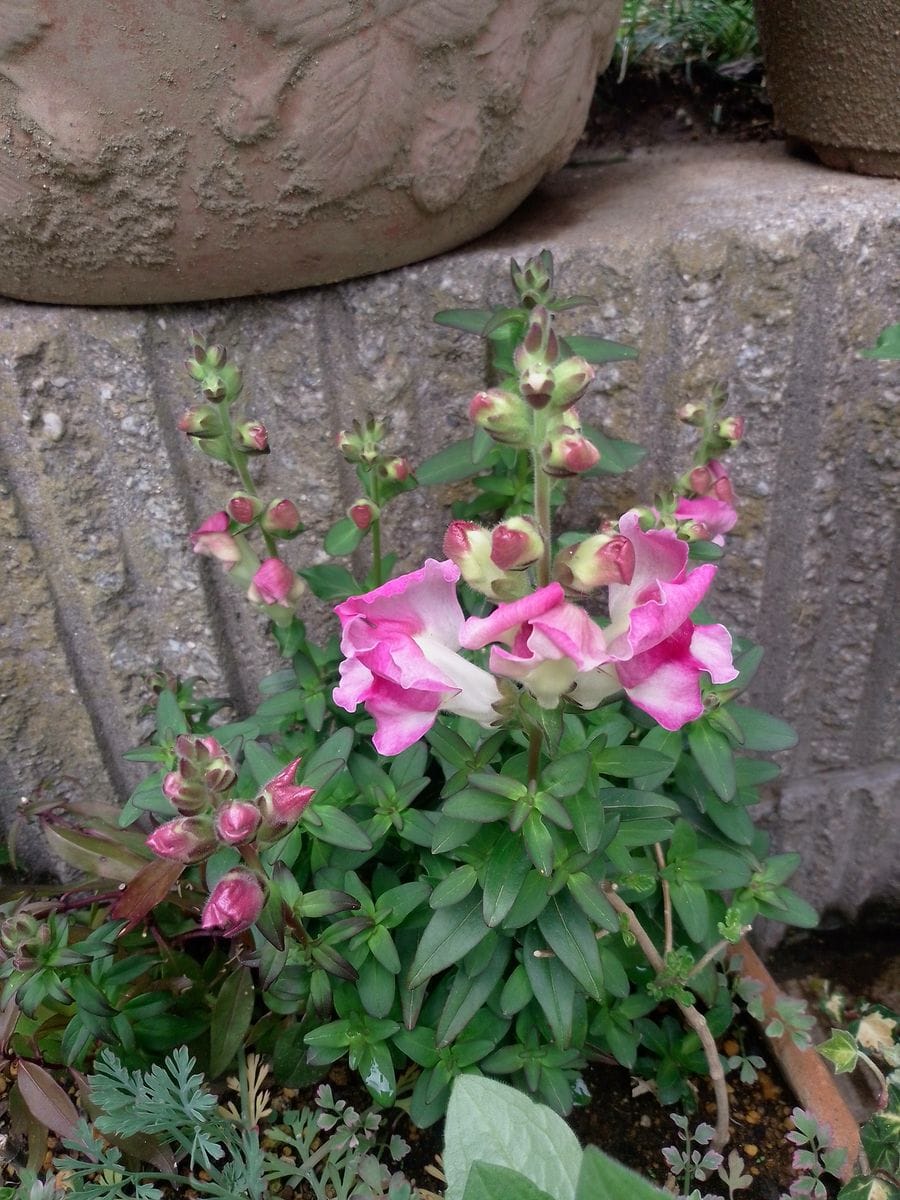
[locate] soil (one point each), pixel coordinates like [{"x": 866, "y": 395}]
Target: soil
[{"x": 646, "y": 110}]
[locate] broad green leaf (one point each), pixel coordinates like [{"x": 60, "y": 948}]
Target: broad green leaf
[
  {"x": 99, "y": 858},
  {"x": 489, "y": 1181},
  {"x": 616, "y": 456},
  {"x": 628, "y": 762},
  {"x": 290, "y": 1064},
  {"x": 602, "y": 1178},
  {"x": 451, "y": 933},
  {"x": 887, "y": 344},
  {"x": 506, "y": 869},
  {"x": 692, "y": 906},
  {"x": 597, "y": 349},
  {"x": 490, "y": 1122},
  {"x": 733, "y": 820},
  {"x": 170, "y": 719},
  {"x": 231, "y": 1016},
  {"x": 454, "y": 887},
  {"x": 553, "y": 986},
  {"x": 762, "y": 732},
  {"x": 469, "y": 320},
  {"x": 468, "y": 994},
  {"x": 631, "y": 804},
  {"x": 570, "y": 936},
  {"x": 343, "y": 537},
  {"x": 712, "y": 752},
  {"x": 449, "y": 465},
  {"x": 337, "y": 828},
  {"x": 330, "y": 582}
]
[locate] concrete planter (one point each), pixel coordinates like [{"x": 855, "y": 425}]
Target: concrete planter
[
  {"x": 193, "y": 149},
  {"x": 831, "y": 70}
]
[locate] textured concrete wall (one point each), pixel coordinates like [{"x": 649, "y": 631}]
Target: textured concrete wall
[{"x": 726, "y": 266}]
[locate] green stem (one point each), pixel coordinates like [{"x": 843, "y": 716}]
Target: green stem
[
  {"x": 534, "y": 758},
  {"x": 542, "y": 517},
  {"x": 375, "y": 497},
  {"x": 239, "y": 462}
]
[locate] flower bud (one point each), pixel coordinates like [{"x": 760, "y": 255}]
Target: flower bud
[
  {"x": 201, "y": 422},
  {"x": 567, "y": 451},
  {"x": 252, "y": 438},
  {"x": 534, "y": 281},
  {"x": 188, "y": 796},
  {"x": 184, "y": 839},
  {"x": 234, "y": 904},
  {"x": 350, "y": 445},
  {"x": 282, "y": 519},
  {"x": 516, "y": 544},
  {"x": 503, "y": 415},
  {"x": 213, "y": 539},
  {"x": 731, "y": 430},
  {"x": 570, "y": 381},
  {"x": 237, "y": 822},
  {"x": 536, "y": 386},
  {"x": 275, "y": 583},
  {"x": 362, "y": 513},
  {"x": 243, "y": 508},
  {"x": 596, "y": 562},
  {"x": 692, "y": 414},
  {"x": 397, "y": 470},
  {"x": 469, "y": 546},
  {"x": 215, "y": 356},
  {"x": 213, "y": 386},
  {"x": 281, "y": 800}
]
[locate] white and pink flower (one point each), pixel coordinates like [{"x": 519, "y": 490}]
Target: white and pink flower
[{"x": 401, "y": 662}]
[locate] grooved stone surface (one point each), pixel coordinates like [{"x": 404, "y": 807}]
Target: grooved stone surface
[{"x": 724, "y": 265}]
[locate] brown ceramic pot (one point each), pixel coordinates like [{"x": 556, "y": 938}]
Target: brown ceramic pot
[
  {"x": 833, "y": 73},
  {"x": 189, "y": 149}
]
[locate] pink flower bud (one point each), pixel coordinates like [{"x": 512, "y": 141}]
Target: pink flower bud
[
  {"x": 201, "y": 422},
  {"x": 275, "y": 583},
  {"x": 237, "y": 822},
  {"x": 731, "y": 429},
  {"x": 235, "y": 903},
  {"x": 282, "y": 518},
  {"x": 243, "y": 508},
  {"x": 397, "y": 470},
  {"x": 184, "y": 839},
  {"x": 281, "y": 800},
  {"x": 515, "y": 544},
  {"x": 186, "y": 795},
  {"x": 596, "y": 562},
  {"x": 469, "y": 546},
  {"x": 362, "y": 513},
  {"x": 503, "y": 415},
  {"x": 212, "y": 539},
  {"x": 253, "y": 438},
  {"x": 700, "y": 481},
  {"x": 569, "y": 452}
]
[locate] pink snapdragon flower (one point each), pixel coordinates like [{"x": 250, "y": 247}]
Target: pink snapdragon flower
[
  {"x": 552, "y": 643},
  {"x": 234, "y": 904},
  {"x": 656, "y": 652},
  {"x": 712, "y": 507},
  {"x": 401, "y": 662},
  {"x": 275, "y": 583},
  {"x": 212, "y": 538}
]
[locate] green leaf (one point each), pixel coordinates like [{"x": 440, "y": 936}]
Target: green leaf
[
  {"x": 553, "y": 986},
  {"x": 330, "y": 582},
  {"x": 602, "y": 1178},
  {"x": 490, "y": 1122},
  {"x": 343, "y": 537},
  {"x": 539, "y": 843},
  {"x": 488, "y": 1181},
  {"x": 712, "y": 751},
  {"x": 616, "y": 456},
  {"x": 455, "y": 887},
  {"x": 506, "y": 869},
  {"x": 290, "y": 1065},
  {"x": 762, "y": 732},
  {"x": 887, "y": 344},
  {"x": 451, "y": 933},
  {"x": 692, "y": 906},
  {"x": 628, "y": 762},
  {"x": 597, "y": 349},
  {"x": 45, "y": 1099},
  {"x": 450, "y": 465},
  {"x": 570, "y": 936},
  {"x": 231, "y": 1016},
  {"x": 338, "y": 829},
  {"x": 469, "y": 320},
  {"x": 170, "y": 719},
  {"x": 469, "y": 993}
]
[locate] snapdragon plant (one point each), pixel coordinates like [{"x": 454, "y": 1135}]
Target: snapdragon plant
[{"x": 486, "y": 831}]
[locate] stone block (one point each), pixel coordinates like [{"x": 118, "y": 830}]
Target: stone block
[{"x": 730, "y": 266}]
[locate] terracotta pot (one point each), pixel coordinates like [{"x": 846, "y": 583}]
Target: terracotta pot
[
  {"x": 810, "y": 1078},
  {"x": 831, "y": 71},
  {"x": 188, "y": 149}
]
